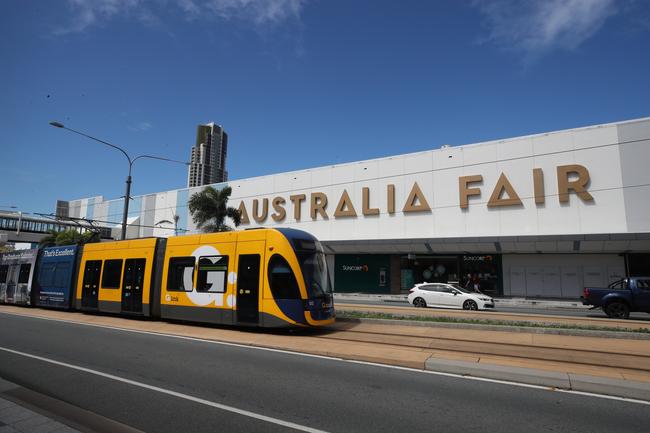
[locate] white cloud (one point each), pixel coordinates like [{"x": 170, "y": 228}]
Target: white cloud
[
  {"x": 536, "y": 27},
  {"x": 87, "y": 13},
  {"x": 258, "y": 11},
  {"x": 141, "y": 127}
]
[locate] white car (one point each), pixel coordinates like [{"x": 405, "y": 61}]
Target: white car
[{"x": 448, "y": 296}]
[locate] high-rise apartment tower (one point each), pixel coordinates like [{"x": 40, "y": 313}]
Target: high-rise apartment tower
[{"x": 208, "y": 161}]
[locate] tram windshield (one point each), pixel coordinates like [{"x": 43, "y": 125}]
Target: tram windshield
[{"x": 314, "y": 267}]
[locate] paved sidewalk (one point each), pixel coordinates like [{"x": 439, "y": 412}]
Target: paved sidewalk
[{"x": 15, "y": 418}]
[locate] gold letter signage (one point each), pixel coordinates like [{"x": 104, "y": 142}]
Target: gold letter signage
[
  {"x": 503, "y": 185},
  {"x": 573, "y": 178},
  {"x": 345, "y": 208},
  {"x": 579, "y": 185},
  {"x": 464, "y": 191}
]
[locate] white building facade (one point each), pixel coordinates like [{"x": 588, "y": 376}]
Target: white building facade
[{"x": 541, "y": 215}]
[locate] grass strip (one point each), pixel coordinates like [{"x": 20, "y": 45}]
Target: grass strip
[{"x": 492, "y": 322}]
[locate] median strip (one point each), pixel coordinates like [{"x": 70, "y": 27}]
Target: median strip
[{"x": 504, "y": 325}]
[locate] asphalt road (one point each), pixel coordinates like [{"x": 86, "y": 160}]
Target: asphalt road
[
  {"x": 569, "y": 312},
  {"x": 130, "y": 377}
]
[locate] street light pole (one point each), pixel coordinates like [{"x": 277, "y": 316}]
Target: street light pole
[
  {"x": 127, "y": 195},
  {"x": 127, "y": 198}
]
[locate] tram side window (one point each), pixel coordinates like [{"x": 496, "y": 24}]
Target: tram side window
[
  {"x": 180, "y": 277},
  {"x": 46, "y": 274},
  {"x": 112, "y": 273},
  {"x": 213, "y": 271},
  {"x": 282, "y": 279},
  {"x": 62, "y": 275},
  {"x": 23, "y": 276},
  {"x": 4, "y": 270}
]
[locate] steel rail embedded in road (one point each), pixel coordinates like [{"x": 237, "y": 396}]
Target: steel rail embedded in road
[{"x": 481, "y": 346}]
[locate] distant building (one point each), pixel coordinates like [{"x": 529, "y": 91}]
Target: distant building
[{"x": 208, "y": 160}]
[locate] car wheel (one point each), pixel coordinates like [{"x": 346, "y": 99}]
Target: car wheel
[
  {"x": 470, "y": 305},
  {"x": 618, "y": 310},
  {"x": 419, "y": 302}
]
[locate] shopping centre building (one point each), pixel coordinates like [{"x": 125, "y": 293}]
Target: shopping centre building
[{"x": 541, "y": 215}]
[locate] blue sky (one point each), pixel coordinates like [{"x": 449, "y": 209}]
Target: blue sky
[{"x": 296, "y": 83}]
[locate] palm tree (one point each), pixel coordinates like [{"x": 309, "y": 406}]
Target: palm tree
[{"x": 210, "y": 208}]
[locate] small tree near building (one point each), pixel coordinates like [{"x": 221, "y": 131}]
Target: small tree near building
[{"x": 68, "y": 237}]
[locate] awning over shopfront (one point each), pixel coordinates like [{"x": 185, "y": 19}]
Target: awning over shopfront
[{"x": 593, "y": 244}]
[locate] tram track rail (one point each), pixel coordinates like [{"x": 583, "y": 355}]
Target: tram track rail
[{"x": 479, "y": 344}]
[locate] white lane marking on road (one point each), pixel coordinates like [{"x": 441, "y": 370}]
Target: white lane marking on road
[
  {"x": 351, "y": 361},
  {"x": 506, "y": 382},
  {"x": 180, "y": 337},
  {"x": 169, "y": 392}
]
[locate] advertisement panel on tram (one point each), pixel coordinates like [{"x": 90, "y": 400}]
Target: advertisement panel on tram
[
  {"x": 16, "y": 272},
  {"x": 53, "y": 286}
]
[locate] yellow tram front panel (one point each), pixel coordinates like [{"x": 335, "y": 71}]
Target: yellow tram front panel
[
  {"x": 297, "y": 314},
  {"x": 277, "y": 244},
  {"x": 116, "y": 277}
]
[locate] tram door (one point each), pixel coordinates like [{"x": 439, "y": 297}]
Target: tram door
[
  {"x": 90, "y": 289},
  {"x": 4, "y": 272},
  {"x": 22, "y": 294},
  {"x": 132, "y": 285},
  {"x": 248, "y": 281},
  {"x": 12, "y": 282}
]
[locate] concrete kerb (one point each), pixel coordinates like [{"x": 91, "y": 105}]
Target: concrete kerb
[
  {"x": 551, "y": 379},
  {"x": 17, "y": 416},
  {"x": 500, "y": 372},
  {"x": 609, "y": 386},
  {"x": 627, "y": 335}
]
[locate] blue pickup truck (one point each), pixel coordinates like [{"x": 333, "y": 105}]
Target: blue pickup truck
[{"x": 620, "y": 297}]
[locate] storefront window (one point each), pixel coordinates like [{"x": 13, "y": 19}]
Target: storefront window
[
  {"x": 471, "y": 272},
  {"x": 638, "y": 265},
  {"x": 428, "y": 269},
  {"x": 481, "y": 273}
]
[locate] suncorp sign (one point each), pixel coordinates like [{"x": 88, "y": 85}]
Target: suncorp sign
[{"x": 354, "y": 268}]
